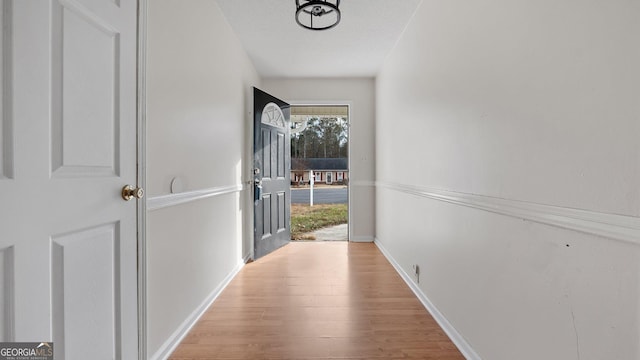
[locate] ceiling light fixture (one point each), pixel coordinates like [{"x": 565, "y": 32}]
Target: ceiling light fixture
[{"x": 317, "y": 14}]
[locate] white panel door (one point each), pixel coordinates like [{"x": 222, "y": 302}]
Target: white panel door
[{"x": 68, "y": 146}]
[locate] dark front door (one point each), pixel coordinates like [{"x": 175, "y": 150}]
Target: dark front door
[{"x": 272, "y": 175}]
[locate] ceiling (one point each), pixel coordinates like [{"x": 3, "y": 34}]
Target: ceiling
[{"x": 356, "y": 47}]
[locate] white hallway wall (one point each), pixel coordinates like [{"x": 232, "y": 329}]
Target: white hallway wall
[
  {"x": 198, "y": 122},
  {"x": 359, "y": 93},
  {"x": 511, "y": 104}
]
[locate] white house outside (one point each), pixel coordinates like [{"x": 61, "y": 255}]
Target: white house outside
[{"x": 328, "y": 171}]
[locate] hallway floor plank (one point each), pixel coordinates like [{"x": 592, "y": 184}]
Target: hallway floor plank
[{"x": 324, "y": 300}]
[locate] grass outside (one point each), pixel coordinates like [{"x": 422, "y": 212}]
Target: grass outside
[{"x": 305, "y": 218}]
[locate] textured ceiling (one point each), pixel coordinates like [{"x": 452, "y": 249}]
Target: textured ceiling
[{"x": 356, "y": 47}]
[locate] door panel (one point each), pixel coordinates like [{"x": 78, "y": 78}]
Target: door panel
[
  {"x": 281, "y": 215},
  {"x": 85, "y": 93},
  {"x": 68, "y": 240},
  {"x": 266, "y": 216},
  {"x": 85, "y": 264},
  {"x": 273, "y": 160},
  {"x": 6, "y": 147},
  {"x": 266, "y": 153},
  {"x": 282, "y": 163},
  {"x": 6, "y": 292},
  {"x": 6, "y": 154}
]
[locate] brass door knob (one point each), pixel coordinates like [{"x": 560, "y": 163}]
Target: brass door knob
[{"x": 129, "y": 192}]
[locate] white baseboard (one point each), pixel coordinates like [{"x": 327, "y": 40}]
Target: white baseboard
[
  {"x": 453, "y": 334},
  {"x": 174, "y": 340},
  {"x": 361, "y": 238}
]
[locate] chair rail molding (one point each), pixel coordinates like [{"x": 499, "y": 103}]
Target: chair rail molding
[
  {"x": 163, "y": 201},
  {"x": 611, "y": 226}
]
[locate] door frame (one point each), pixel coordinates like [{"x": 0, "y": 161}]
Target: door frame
[
  {"x": 349, "y": 105},
  {"x": 142, "y": 178}
]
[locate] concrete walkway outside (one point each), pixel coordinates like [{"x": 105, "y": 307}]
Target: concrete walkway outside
[{"x": 332, "y": 233}]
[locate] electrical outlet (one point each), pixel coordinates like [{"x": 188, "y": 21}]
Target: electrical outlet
[{"x": 416, "y": 272}]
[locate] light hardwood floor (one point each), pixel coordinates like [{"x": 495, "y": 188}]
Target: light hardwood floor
[{"x": 318, "y": 300}]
